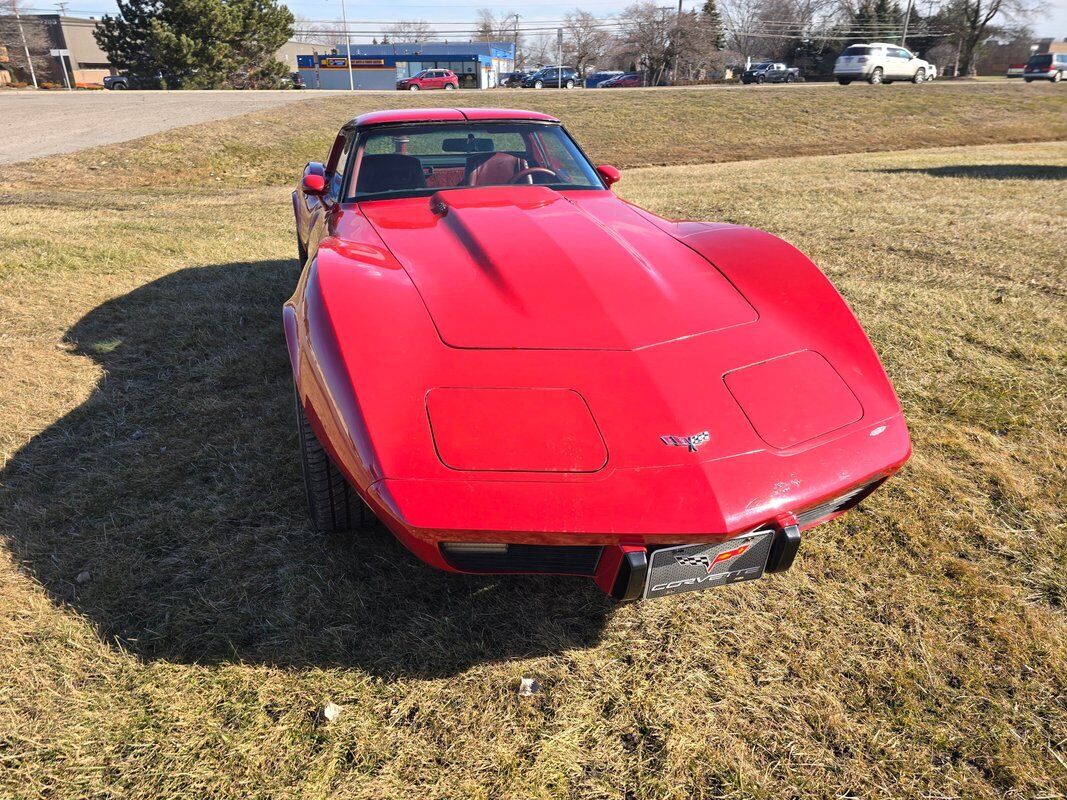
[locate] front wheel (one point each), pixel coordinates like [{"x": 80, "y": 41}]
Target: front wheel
[
  {"x": 449, "y": 87},
  {"x": 332, "y": 504},
  {"x": 790, "y": 78},
  {"x": 920, "y": 76},
  {"x": 413, "y": 88},
  {"x": 876, "y": 76},
  {"x": 570, "y": 84},
  {"x": 1029, "y": 80},
  {"x": 761, "y": 79},
  {"x": 539, "y": 84}
]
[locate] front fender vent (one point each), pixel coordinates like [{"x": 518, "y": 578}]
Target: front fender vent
[{"x": 837, "y": 504}]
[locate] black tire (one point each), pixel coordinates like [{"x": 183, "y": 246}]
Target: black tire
[
  {"x": 1029, "y": 80},
  {"x": 118, "y": 87},
  {"x": 876, "y": 76},
  {"x": 790, "y": 78},
  {"x": 919, "y": 76},
  {"x": 449, "y": 87},
  {"x": 569, "y": 84},
  {"x": 844, "y": 81},
  {"x": 539, "y": 84},
  {"x": 761, "y": 79},
  {"x": 332, "y": 504}
]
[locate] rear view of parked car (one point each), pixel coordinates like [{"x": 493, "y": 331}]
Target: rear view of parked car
[
  {"x": 552, "y": 78},
  {"x": 879, "y": 62},
  {"x": 1046, "y": 67}
]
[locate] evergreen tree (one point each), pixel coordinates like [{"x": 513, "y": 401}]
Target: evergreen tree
[
  {"x": 197, "y": 43},
  {"x": 712, "y": 22}
]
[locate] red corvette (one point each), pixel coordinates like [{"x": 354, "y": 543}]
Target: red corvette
[{"x": 518, "y": 372}]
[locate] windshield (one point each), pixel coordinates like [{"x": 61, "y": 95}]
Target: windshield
[
  {"x": 411, "y": 160},
  {"x": 762, "y": 65},
  {"x": 1043, "y": 60}
]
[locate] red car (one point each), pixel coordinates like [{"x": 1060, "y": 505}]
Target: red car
[
  {"x": 518, "y": 372},
  {"x": 628, "y": 81},
  {"x": 429, "y": 79}
]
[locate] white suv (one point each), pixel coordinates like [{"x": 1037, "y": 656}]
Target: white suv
[{"x": 879, "y": 62}]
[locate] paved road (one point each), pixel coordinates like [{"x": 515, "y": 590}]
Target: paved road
[{"x": 36, "y": 124}]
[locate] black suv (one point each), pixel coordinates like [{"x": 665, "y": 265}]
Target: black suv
[{"x": 552, "y": 78}]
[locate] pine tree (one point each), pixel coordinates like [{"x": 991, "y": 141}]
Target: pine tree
[
  {"x": 197, "y": 43},
  {"x": 712, "y": 22}
]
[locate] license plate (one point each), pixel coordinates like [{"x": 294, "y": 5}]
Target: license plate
[{"x": 688, "y": 567}]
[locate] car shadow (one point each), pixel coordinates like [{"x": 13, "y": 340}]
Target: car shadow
[
  {"x": 168, "y": 508},
  {"x": 993, "y": 172}
]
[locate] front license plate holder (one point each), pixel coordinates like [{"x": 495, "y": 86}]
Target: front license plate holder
[{"x": 689, "y": 567}]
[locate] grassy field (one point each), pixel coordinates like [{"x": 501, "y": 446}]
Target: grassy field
[{"x": 170, "y": 628}]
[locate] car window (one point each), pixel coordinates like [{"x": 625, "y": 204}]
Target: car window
[
  {"x": 407, "y": 160},
  {"x": 856, "y": 50},
  {"x": 337, "y": 177},
  {"x": 1042, "y": 60}
]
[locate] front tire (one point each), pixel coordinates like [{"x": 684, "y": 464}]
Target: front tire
[
  {"x": 413, "y": 88},
  {"x": 1029, "y": 80},
  {"x": 569, "y": 84},
  {"x": 332, "y": 504},
  {"x": 876, "y": 77},
  {"x": 920, "y": 75},
  {"x": 761, "y": 79},
  {"x": 449, "y": 87},
  {"x": 539, "y": 84}
]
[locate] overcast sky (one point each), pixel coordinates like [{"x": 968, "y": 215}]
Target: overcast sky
[{"x": 1051, "y": 20}]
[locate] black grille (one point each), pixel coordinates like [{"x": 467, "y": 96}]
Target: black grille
[
  {"x": 849, "y": 499},
  {"x": 559, "y": 560}
]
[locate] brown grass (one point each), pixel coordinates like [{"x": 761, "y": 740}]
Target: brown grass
[{"x": 917, "y": 649}]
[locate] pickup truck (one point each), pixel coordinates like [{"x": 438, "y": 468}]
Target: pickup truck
[{"x": 770, "y": 72}]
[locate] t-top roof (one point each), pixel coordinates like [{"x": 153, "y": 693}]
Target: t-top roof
[{"x": 401, "y": 115}]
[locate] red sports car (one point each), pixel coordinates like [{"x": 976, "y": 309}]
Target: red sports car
[{"x": 518, "y": 372}]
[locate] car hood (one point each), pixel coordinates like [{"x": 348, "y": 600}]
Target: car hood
[{"x": 530, "y": 268}]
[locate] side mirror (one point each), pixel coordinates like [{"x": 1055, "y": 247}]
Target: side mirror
[
  {"x": 608, "y": 174},
  {"x": 313, "y": 184}
]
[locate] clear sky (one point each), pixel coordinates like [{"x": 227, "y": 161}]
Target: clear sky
[{"x": 1049, "y": 20}]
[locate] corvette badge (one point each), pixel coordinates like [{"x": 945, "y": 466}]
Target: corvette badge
[{"x": 692, "y": 442}]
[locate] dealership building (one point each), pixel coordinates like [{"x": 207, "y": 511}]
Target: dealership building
[{"x": 479, "y": 65}]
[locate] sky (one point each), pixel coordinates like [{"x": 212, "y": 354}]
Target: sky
[{"x": 1049, "y": 20}]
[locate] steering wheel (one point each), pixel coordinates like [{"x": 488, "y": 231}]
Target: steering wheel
[{"x": 524, "y": 173}]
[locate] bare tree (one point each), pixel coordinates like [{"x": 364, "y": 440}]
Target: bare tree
[
  {"x": 410, "y": 31},
  {"x": 539, "y": 50},
  {"x": 741, "y": 19},
  {"x": 970, "y": 19},
  {"x": 330, "y": 34},
  {"x": 584, "y": 42},
  {"x": 26, "y": 33},
  {"x": 647, "y": 35}
]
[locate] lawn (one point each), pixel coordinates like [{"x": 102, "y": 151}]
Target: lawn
[{"x": 169, "y": 627}]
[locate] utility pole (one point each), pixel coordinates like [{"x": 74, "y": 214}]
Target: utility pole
[
  {"x": 25, "y": 47},
  {"x": 62, "y": 8},
  {"x": 559, "y": 64},
  {"x": 515, "y": 55},
  {"x": 907, "y": 16},
  {"x": 348, "y": 47}
]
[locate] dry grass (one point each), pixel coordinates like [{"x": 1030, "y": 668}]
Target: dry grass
[{"x": 918, "y": 648}]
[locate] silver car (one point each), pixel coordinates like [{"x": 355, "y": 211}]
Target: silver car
[{"x": 879, "y": 62}]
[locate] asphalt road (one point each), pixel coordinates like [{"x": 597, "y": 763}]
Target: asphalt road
[{"x": 34, "y": 124}]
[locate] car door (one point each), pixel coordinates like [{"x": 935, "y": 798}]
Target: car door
[{"x": 900, "y": 63}]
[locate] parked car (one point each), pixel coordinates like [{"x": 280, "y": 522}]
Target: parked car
[
  {"x": 116, "y": 82},
  {"x": 514, "y": 79},
  {"x": 770, "y": 72},
  {"x": 1015, "y": 70},
  {"x": 593, "y": 81},
  {"x": 879, "y": 62},
  {"x": 517, "y": 371},
  {"x": 1046, "y": 67},
  {"x": 551, "y": 78},
  {"x": 429, "y": 79},
  {"x": 628, "y": 80}
]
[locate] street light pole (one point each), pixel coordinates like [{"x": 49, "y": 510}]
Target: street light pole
[
  {"x": 26, "y": 47},
  {"x": 348, "y": 47}
]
